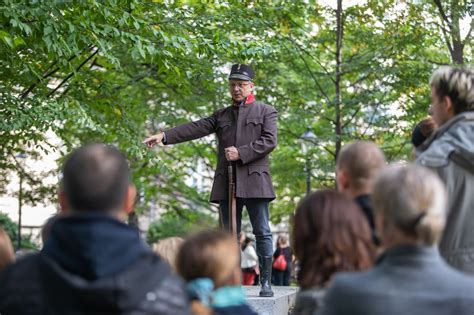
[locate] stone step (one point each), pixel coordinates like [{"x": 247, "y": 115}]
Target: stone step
[{"x": 279, "y": 304}]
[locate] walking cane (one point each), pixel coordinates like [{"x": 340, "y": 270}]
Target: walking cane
[{"x": 232, "y": 202}]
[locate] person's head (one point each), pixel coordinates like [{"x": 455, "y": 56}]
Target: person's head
[
  {"x": 240, "y": 82},
  {"x": 357, "y": 164},
  {"x": 452, "y": 92},
  {"x": 422, "y": 131},
  {"x": 96, "y": 178},
  {"x": 168, "y": 249},
  {"x": 330, "y": 234},
  {"x": 7, "y": 254},
  {"x": 247, "y": 241},
  {"x": 282, "y": 241},
  {"x": 410, "y": 204},
  {"x": 210, "y": 254}
]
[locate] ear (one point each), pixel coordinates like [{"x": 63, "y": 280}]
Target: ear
[
  {"x": 448, "y": 106},
  {"x": 342, "y": 180},
  {"x": 252, "y": 85},
  {"x": 63, "y": 203},
  {"x": 129, "y": 203}
]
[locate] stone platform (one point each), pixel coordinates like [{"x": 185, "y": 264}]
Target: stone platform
[{"x": 279, "y": 304}]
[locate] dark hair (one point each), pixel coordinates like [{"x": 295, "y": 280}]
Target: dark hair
[
  {"x": 423, "y": 130},
  {"x": 330, "y": 234},
  {"x": 457, "y": 84},
  {"x": 95, "y": 178},
  {"x": 245, "y": 243}
]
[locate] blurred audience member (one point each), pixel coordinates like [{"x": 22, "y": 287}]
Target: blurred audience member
[
  {"x": 357, "y": 165},
  {"x": 410, "y": 277},
  {"x": 330, "y": 235},
  {"x": 168, "y": 249},
  {"x": 281, "y": 276},
  {"x": 92, "y": 262},
  {"x": 210, "y": 262},
  {"x": 450, "y": 152},
  {"x": 248, "y": 262},
  {"x": 7, "y": 255}
]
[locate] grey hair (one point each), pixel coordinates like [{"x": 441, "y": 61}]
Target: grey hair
[
  {"x": 457, "y": 84},
  {"x": 413, "y": 199}
]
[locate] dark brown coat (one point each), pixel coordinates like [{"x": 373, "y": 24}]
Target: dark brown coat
[{"x": 253, "y": 133}]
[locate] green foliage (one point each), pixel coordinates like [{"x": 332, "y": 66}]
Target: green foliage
[
  {"x": 179, "y": 224},
  {"x": 116, "y": 71},
  {"x": 12, "y": 230}
]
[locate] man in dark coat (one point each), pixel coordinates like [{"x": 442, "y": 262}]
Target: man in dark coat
[
  {"x": 246, "y": 133},
  {"x": 92, "y": 262}
]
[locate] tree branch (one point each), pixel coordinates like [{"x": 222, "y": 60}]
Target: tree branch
[
  {"x": 74, "y": 72},
  {"x": 47, "y": 74},
  {"x": 468, "y": 36},
  {"x": 441, "y": 11}
]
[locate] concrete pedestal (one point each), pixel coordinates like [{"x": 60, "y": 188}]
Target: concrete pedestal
[{"x": 279, "y": 304}]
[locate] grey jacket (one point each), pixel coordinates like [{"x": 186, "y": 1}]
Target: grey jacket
[
  {"x": 406, "y": 280},
  {"x": 252, "y": 129},
  {"x": 307, "y": 301},
  {"x": 450, "y": 152}
]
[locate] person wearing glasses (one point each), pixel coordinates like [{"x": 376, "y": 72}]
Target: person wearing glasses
[{"x": 246, "y": 132}]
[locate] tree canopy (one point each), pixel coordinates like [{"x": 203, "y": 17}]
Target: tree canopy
[{"x": 116, "y": 71}]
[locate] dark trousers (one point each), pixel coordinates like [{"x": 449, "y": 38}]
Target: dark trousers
[
  {"x": 281, "y": 277},
  {"x": 257, "y": 209}
]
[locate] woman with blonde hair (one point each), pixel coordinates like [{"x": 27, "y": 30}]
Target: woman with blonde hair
[
  {"x": 210, "y": 263},
  {"x": 410, "y": 277}
]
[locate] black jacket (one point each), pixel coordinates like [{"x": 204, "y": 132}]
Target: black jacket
[{"x": 92, "y": 265}]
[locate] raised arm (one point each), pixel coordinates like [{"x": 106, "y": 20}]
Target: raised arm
[{"x": 185, "y": 132}]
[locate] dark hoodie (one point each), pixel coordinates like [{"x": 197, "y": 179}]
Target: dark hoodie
[{"x": 92, "y": 264}]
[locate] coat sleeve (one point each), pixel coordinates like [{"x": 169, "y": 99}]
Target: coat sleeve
[
  {"x": 190, "y": 131},
  {"x": 263, "y": 145}
]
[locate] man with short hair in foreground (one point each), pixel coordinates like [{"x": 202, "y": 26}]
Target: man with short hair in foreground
[{"x": 92, "y": 262}]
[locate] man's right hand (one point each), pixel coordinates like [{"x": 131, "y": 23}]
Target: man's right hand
[{"x": 156, "y": 139}]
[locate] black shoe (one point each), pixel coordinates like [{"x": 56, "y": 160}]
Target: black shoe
[{"x": 265, "y": 275}]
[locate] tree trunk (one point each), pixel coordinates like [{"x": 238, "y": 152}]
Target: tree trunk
[
  {"x": 457, "y": 54},
  {"x": 451, "y": 29},
  {"x": 338, "y": 102}
]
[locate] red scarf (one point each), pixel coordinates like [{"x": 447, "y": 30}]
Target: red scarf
[{"x": 248, "y": 100}]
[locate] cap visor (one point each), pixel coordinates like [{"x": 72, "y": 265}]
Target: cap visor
[{"x": 239, "y": 76}]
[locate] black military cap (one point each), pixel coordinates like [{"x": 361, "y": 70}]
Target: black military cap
[{"x": 242, "y": 72}]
